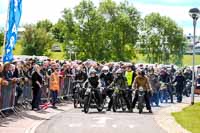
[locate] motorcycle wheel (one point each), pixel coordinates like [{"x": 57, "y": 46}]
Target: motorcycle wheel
[
  {"x": 187, "y": 93},
  {"x": 123, "y": 109},
  {"x": 140, "y": 106},
  {"x": 81, "y": 100},
  {"x": 86, "y": 104},
  {"x": 76, "y": 101},
  {"x": 100, "y": 109},
  {"x": 123, "y": 104},
  {"x": 81, "y": 104},
  {"x": 140, "y": 110},
  {"x": 114, "y": 103}
]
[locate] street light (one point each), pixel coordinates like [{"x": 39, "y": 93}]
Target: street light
[
  {"x": 164, "y": 42},
  {"x": 72, "y": 50},
  {"x": 194, "y": 13}
]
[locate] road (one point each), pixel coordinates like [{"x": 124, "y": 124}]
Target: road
[{"x": 75, "y": 121}]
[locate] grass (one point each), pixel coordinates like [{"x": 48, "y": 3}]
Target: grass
[
  {"x": 187, "y": 60},
  {"x": 57, "y": 55},
  {"x": 189, "y": 118}
]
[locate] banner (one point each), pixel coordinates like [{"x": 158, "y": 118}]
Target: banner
[{"x": 14, "y": 16}]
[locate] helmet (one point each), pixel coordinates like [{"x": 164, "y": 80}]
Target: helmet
[
  {"x": 78, "y": 68},
  {"x": 92, "y": 71},
  {"x": 105, "y": 68},
  {"x": 119, "y": 71},
  {"x": 139, "y": 70}
]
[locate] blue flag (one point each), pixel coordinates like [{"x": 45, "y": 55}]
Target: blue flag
[{"x": 15, "y": 10}]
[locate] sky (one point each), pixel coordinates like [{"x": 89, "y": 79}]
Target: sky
[{"x": 35, "y": 10}]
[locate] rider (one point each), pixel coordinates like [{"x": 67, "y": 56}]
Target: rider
[
  {"x": 165, "y": 83},
  {"x": 180, "y": 82},
  {"x": 121, "y": 81},
  {"x": 94, "y": 81},
  {"x": 188, "y": 74},
  {"x": 155, "y": 85},
  {"x": 130, "y": 76},
  {"x": 106, "y": 79},
  {"x": 197, "y": 84},
  {"x": 80, "y": 74},
  {"x": 142, "y": 81}
]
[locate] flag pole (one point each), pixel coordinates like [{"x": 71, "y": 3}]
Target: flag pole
[{"x": 6, "y": 29}]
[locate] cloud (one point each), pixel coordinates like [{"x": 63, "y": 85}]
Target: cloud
[
  {"x": 178, "y": 13},
  {"x": 35, "y": 10},
  {"x": 191, "y": 3}
]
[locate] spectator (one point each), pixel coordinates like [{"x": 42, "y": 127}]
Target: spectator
[
  {"x": 54, "y": 85},
  {"x": 37, "y": 85},
  {"x": 180, "y": 82}
]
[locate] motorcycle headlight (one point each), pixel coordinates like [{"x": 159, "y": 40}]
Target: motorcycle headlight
[
  {"x": 88, "y": 90},
  {"x": 141, "y": 89}
]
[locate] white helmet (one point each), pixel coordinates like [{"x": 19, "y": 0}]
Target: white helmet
[
  {"x": 105, "y": 68},
  {"x": 92, "y": 70},
  {"x": 119, "y": 71}
]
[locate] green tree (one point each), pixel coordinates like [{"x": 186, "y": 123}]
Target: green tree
[
  {"x": 90, "y": 28},
  {"x": 108, "y": 32},
  {"x": 45, "y": 24},
  {"x": 36, "y": 41},
  {"x": 122, "y": 28},
  {"x": 1, "y": 38},
  {"x": 162, "y": 40},
  {"x": 58, "y": 31}
]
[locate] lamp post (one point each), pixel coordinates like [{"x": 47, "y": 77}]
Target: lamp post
[
  {"x": 164, "y": 42},
  {"x": 72, "y": 50},
  {"x": 194, "y": 13}
]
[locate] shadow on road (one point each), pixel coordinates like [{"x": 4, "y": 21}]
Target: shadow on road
[
  {"x": 23, "y": 115},
  {"x": 103, "y": 112}
]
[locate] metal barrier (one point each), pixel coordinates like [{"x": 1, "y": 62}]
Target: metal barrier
[
  {"x": 7, "y": 97},
  {"x": 25, "y": 99},
  {"x": 66, "y": 87},
  {"x": 8, "y": 94}
]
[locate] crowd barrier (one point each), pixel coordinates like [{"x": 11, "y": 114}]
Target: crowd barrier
[
  {"x": 66, "y": 86},
  {"x": 7, "y": 96},
  {"x": 9, "y": 93}
]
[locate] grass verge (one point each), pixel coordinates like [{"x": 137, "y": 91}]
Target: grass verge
[{"x": 189, "y": 118}]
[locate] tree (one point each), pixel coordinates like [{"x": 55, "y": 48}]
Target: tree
[
  {"x": 1, "y": 38},
  {"x": 122, "y": 28},
  {"x": 45, "y": 24},
  {"x": 108, "y": 32},
  {"x": 58, "y": 31},
  {"x": 162, "y": 40},
  {"x": 35, "y": 41},
  {"x": 90, "y": 29}
]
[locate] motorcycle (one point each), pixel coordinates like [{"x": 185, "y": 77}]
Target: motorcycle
[
  {"x": 164, "y": 95},
  {"x": 141, "y": 102},
  {"x": 187, "y": 88},
  {"x": 78, "y": 94},
  {"x": 90, "y": 100},
  {"x": 118, "y": 99}
]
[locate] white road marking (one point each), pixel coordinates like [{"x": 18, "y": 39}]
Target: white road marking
[
  {"x": 131, "y": 126},
  {"x": 97, "y": 125},
  {"x": 75, "y": 125},
  {"x": 102, "y": 120},
  {"x": 114, "y": 126}
]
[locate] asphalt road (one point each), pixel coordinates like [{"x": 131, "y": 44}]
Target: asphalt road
[{"x": 76, "y": 121}]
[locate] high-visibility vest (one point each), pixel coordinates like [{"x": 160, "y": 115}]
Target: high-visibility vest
[
  {"x": 129, "y": 77},
  {"x": 54, "y": 82}
]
